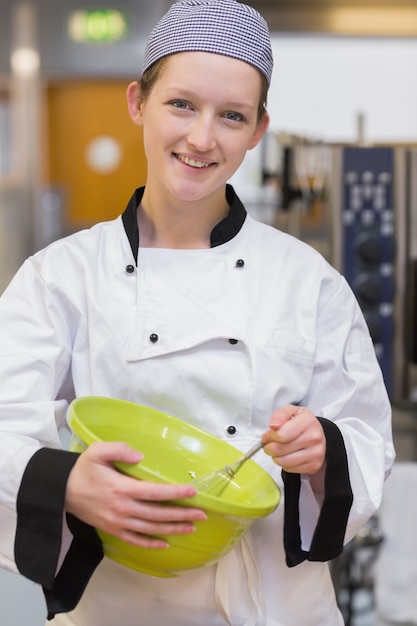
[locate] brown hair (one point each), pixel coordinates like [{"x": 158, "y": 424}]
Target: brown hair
[{"x": 153, "y": 73}]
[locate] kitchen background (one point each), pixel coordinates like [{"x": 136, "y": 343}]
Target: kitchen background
[{"x": 338, "y": 168}]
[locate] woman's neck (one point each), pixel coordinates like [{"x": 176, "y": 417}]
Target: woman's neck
[{"x": 164, "y": 223}]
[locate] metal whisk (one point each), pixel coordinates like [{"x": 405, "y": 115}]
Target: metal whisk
[{"x": 216, "y": 482}]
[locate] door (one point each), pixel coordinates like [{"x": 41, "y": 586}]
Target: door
[{"x": 95, "y": 153}]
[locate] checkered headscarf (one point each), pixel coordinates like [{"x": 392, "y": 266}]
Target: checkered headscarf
[{"x": 223, "y": 27}]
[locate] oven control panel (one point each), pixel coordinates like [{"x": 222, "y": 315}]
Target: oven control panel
[{"x": 368, "y": 242}]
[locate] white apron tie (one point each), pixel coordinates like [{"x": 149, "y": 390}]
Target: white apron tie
[{"x": 226, "y": 579}]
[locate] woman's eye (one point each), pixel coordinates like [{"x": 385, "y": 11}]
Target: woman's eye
[
  {"x": 234, "y": 117},
  {"x": 180, "y": 104}
]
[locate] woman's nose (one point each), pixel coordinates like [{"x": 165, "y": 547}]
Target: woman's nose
[{"x": 201, "y": 134}]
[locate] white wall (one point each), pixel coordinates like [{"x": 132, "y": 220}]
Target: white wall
[{"x": 320, "y": 84}]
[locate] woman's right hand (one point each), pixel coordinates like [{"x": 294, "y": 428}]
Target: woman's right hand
[{"x": 132, "y": 510}]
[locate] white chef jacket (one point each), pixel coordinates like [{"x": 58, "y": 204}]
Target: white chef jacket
[{"x": 219, "y": 337}]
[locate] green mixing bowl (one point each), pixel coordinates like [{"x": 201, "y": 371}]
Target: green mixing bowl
[{"x": 175, "y": 452}]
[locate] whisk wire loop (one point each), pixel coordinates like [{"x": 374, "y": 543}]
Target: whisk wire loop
[{"x": 216, "y": 482}]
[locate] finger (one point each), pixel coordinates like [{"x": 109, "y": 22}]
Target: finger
[
  {"x": 306, "y": 460},
  {"x": 148, "y": 518},
  {"x": 309, "y": 467},
  {"x": 161, "y": 513},
  {"x": 284, "y": 414},
  {"x": 144, "y": 533},
  {"x": 287, "y": 433},
  {"x": 142, "y": 527},
  {"x": 143, "y": 541},
  {"x": 158, "y": 492},
  {"x": 110, "y": 452}
]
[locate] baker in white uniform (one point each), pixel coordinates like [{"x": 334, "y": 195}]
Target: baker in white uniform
[{"x": 186, "y": 304}]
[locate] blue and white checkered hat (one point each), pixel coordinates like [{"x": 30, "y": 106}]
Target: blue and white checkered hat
[{"x": 223, "y": 27}]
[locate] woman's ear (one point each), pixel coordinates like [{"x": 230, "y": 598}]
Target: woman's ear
[
  {"x": 260, "y": 130},
  {"x": 135, "y": 103}
]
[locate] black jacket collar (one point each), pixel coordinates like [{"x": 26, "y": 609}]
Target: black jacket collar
[{"x": 221, "y": 233}]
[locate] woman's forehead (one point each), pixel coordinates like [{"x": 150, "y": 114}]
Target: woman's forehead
[{"x": 200, "y": 67}]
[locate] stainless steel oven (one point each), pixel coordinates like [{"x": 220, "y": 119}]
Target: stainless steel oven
[{"x": 358, "y": 206}]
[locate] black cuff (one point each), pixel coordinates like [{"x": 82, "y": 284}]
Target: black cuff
[
  {"x": 85, "y": 553},
  {"x": 330, "y": 531},
  {"x": 40, "y": 505},
  {"x": 292, "y": 533}
]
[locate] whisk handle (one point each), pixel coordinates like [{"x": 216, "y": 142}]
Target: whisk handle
[{"x": 254, "y": 450}]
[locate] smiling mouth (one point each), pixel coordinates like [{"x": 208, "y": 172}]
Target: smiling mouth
[{"x": 192, "y": 162}]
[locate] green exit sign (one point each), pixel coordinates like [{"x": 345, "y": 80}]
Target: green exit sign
[{"x": 97, "y": 26}]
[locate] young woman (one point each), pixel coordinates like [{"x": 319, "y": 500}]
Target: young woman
[{"x": 188, "y": 305}]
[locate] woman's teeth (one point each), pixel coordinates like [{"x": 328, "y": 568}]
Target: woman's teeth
[{"x": 192, "y": 162}]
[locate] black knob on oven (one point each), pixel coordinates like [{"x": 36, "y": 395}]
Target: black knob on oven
[
  {"x": 368, "y": 289},
  {"x": 369, "y": 248}
]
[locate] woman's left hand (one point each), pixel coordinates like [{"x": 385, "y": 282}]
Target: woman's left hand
[{"x": 296, "y": 440}]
